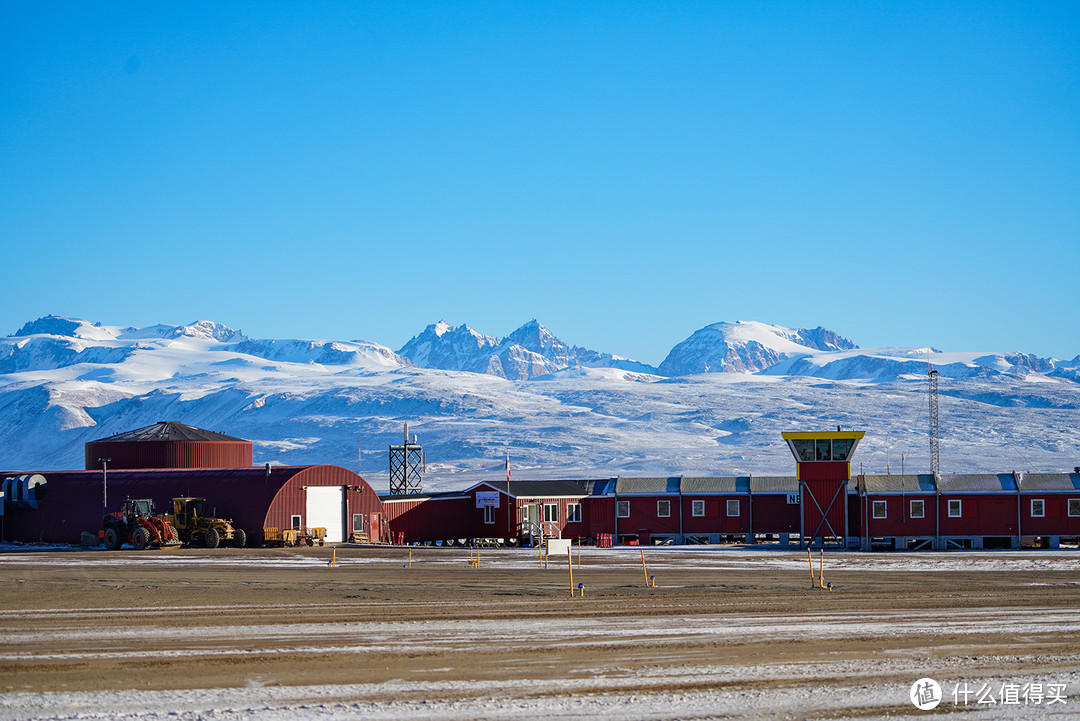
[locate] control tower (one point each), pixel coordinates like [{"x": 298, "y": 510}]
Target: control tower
[{"x": 823, "y": 469}]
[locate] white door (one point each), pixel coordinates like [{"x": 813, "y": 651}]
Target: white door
[{"x": 326, "y": 508}]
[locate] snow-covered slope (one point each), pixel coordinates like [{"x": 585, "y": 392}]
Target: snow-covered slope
[
  {"x": 64, "y": 382},
  {"x": 746, "y": 347}
]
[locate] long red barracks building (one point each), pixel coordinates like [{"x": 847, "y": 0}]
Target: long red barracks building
[{"x": 821, "y": 504}]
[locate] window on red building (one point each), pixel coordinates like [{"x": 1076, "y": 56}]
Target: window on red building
[
  {"x": 623, "y": 510},
  {"x": 573, "y": 513},
  {"x": 880, "y": 509},
  {"x": 489, "y": 514},
  {"x": 551, "y": 512},
  {"x": 955, "y": 509},
  {"x": 663, "y": 509},
  {"x": 918, "y": 509},
  {"x": 733, "y": 507},
  {"x": 1074, "y": 506},
  {"x": 1038, "y": 508},
  {"x": 697, "y": 508}
]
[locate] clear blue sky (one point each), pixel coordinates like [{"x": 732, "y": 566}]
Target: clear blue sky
[{"x": 903, "y": 173}]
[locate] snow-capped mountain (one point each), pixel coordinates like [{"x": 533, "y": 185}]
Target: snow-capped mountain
[
  {"x": 530, "y": 351},
  {"x": 746, "y": 347},
  {"x": 64, "y": 382}
]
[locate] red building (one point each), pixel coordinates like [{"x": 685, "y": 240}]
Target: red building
[
  {"x": 898, "y": 511},
  {"x": 775, "y": 506},
  {"x": 487, "y": 511},
  {"x": 1050, "y": 506},
  {"x": 59, "y": 506},
  {"x": 968, "y": 510},
  {"x": 69, "y": 503}
]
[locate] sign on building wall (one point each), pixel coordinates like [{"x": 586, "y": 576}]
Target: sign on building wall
[
  {"x": 793, "y": 499},
  {"x": 487, "y": 498}
]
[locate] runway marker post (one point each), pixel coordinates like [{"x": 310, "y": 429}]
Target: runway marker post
[
  {"x": 570, "y": 566},
  {"x": 810, "y": 560},
  {"x": 644, "y": 572}
]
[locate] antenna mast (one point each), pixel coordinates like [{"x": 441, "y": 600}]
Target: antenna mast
[{"x": 935, "y": 434}]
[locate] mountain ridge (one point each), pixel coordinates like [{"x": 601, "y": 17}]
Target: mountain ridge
[{"x": 308, "y": 401}]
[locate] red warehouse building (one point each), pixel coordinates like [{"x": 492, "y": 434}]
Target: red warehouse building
[
  {"x": 68, "y": 503},
  {"x": 59, "y": 506}
]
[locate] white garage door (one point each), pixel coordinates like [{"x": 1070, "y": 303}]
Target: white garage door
[{"x": 325, "y": 508}]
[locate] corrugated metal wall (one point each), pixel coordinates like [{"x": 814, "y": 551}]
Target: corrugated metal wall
[
  {"x": 824, "y": 507},
  {"x": 291, "y": 499},
  {"x": 168, "y": 454},
  {"x": 438, "y": 519}
]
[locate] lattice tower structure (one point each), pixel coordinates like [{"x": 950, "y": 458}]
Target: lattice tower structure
[
  {"x": 407, "y": 467},
  {"x": 935, "y": 429}
]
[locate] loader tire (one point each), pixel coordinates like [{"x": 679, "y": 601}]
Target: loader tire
[
  {"x": 239, "y": 538},
  {"x": 212, "y": 539},
  {"x": 140, "y": 538},
  {"x": 112, "y": 539}
]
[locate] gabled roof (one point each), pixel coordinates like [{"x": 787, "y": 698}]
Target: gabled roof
[
  {"x": 976, "y": 482},
  {"x": 1049, "y": 482},
  {"x": 434, "y": 496},
  {"x": 650, "y": 486},
  {"x": 774, "y": 484},
  {"x": 716, "y": 484},
  {"x": 168, "y": 431},
  {"x": 540, "y": 489},
  {"x": 911, "y": 483}
]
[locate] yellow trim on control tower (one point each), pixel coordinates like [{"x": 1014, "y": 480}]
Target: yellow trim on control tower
[{"x": 810, "y": 435}]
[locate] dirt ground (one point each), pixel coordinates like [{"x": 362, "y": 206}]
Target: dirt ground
[{"x": 725, "y": 633}]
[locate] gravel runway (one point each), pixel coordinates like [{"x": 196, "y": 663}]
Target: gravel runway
[{"x": 726, "y": 633}]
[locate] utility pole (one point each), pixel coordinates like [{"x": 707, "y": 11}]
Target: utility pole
[{"x": 105, "y": 484}]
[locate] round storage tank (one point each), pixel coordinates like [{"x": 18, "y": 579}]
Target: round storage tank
[{"x": 168, "y": 444}]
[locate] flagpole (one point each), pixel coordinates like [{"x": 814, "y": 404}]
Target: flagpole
[{"x": 509, "y": 522}]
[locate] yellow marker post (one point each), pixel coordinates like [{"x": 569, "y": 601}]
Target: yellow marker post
[
  {"x": 643, "y": 570},
  {"x": 820, "y": 572},
  {"x": 570, "y": 566},
  {"x": 410, "y": 558},
  {"x": 810, "y": 560},
  {"x": 333, "y": 560},
  {"x": 579, "y": 552}
]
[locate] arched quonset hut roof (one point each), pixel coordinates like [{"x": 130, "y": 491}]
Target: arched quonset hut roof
[{"x": 168, "y": 444}]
